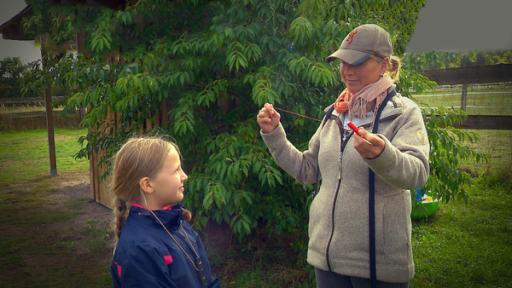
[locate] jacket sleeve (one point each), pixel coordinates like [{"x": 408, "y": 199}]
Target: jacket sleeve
[
  {"x": 404, "y": 162},
  {"x": 300, "y": 165},
  {"x": 213, "y": 282},
  {"x": 145, "y": 267}
]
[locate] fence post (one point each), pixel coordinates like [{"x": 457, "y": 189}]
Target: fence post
[
  {"x": 49, "y": 107},
  {"x": 464, "y": 97}
]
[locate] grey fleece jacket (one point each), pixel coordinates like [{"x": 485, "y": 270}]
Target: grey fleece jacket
[{"x": 338, "y": 216}]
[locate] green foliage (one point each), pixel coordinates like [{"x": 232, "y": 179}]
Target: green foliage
[
  {"x": 214, "y": 63},
  {"x": 443, "y": 60},
  {"x": 301, "y": 30},
  {"x": 447, "y": 180},
  {"x": 101, "y": 37},
  {"x": 11, "y": 78},
  {"x": 448, "y": 145}
]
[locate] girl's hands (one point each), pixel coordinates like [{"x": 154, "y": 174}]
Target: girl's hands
[
  {"x": 268, "y": 118},
  {"x": 369, "y": 145}
]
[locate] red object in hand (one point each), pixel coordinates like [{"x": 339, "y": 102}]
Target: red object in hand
[{"x": 353, "y": 127}]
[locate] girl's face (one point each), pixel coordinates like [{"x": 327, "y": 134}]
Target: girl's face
[
  {"x": 357, "y": 77},
  {"x": 168, "y": 184}
]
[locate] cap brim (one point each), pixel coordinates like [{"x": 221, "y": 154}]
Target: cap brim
[{"x": 351, "y": 57}]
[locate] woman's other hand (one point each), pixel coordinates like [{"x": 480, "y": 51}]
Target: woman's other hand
[
  {"x": 268, "y": 118},
  {"x": 369, "y": 145}
]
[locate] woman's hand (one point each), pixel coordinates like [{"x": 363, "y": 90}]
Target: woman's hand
[
  {"x": 268, "y": 118},
  {"x": 369, "y": 145}
]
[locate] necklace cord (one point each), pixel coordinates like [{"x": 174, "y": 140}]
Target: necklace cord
[{"x": 198, "y": 266}]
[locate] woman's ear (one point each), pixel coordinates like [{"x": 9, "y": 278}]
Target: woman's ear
[{"x": 145, "y": 185}]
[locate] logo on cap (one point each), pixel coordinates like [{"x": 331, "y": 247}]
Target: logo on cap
[{"x": 351, "y": 36}]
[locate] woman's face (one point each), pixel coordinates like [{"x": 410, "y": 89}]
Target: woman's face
[
  {"x": 357, "y": 77},
  {"x": 168, "y": 184}
]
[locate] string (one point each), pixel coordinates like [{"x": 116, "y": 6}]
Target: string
[
  {"x": 173, "y": 238},
  {"x": 297, "y": 114}
]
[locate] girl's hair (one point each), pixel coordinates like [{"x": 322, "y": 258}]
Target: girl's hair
[{"x": 137, "y": 158}]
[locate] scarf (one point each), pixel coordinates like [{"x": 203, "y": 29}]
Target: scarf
[{"x": 367, "y": 99}]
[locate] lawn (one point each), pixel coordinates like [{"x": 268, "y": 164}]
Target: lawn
[
  {"x": 54, "y": 236},
  {"x": 497, "y": 145},
  {"x": 468, "y": 245},
  {"x": 24, "y": 154}
]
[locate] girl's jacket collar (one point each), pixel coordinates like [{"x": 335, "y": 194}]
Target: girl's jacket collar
[{"x": 171, "y": 216}]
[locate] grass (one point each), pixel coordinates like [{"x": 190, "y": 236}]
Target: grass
[
  {"x": 24, "y": 154},
  {"x": 497, "y": 145},
  {"x": 468, "y": 245}
]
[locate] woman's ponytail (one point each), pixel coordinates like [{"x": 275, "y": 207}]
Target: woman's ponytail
[{"x": 394, "y": 68}]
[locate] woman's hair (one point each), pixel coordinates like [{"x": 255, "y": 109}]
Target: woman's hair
[
  {"x": 394, "y": 68},
  {"x": 137, "y": 158}
]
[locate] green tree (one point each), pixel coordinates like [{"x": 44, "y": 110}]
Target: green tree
[
  {"x": 11, "y": 72},
  {"x": 448, "y": 145},
  {"x": 443, "y": 60},
  {"x": 215, "y": 63}
]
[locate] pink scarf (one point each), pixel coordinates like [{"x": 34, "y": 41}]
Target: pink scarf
[{"x": 368, "y": 98}]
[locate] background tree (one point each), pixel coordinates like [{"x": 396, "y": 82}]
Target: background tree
[
  {"x": 215, "y": 63},
  {"x": 11, "y": 72}
]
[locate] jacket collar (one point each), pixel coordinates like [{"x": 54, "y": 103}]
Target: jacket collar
[{"x": 171, "y": 216}]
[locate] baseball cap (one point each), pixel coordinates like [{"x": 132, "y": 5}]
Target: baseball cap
[{"x": 361, "y": 43}]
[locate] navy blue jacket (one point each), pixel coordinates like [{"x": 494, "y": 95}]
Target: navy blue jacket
[{"x": 146, "y": 256}]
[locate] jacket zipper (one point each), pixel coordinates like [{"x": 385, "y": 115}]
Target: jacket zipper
[{"x": 342, "y": 148}]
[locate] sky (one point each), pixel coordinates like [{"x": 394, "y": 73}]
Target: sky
[
  {"x": 443, "y": 25},
  {"x": 463, "y": 25}
]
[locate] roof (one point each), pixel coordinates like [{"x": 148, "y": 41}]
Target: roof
[{"x": 13, "y": 29}]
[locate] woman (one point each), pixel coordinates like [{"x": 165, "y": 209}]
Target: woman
[{"x": 397, "y": 155}]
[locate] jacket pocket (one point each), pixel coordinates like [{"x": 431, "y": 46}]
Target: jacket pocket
[
  {"x": 350, "y": 240},
  {"x": 396, "y": 241}
]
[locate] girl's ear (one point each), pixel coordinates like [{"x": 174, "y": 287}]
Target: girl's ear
[{"x": 145, "y": 185}]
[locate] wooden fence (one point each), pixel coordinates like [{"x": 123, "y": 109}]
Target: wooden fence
[{"x": 476, "y": 75}]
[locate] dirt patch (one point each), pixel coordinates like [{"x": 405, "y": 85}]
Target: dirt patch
[{"x": 56, "y": 234}]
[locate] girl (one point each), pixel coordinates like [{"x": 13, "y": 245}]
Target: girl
[{"x": 155, "y": 247}]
